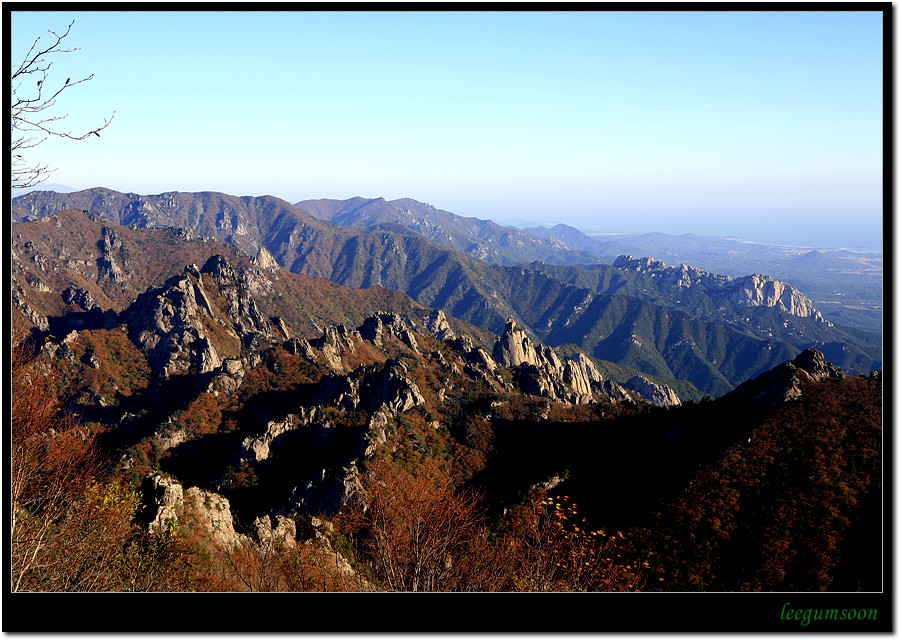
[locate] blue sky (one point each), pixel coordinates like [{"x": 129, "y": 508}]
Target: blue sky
[{"x": 763, "y": 125}]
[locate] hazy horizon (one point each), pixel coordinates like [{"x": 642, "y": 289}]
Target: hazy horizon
[
  {"x": 761, "y": 125},
  {"x": 612, "y": 227}
]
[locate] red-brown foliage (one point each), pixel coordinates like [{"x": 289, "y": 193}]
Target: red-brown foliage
[{"x": 778, "y": 512}]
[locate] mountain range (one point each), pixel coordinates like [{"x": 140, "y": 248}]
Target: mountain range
[
  {"x": 281, "y": 392},
  {"x": 710, "y": 343},
  {"x": 845, "y": 285}
]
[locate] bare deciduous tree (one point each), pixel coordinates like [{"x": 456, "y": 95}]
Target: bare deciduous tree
[
  {"x": 33, "y": 102},
  {"x": 418, "y": 527}
]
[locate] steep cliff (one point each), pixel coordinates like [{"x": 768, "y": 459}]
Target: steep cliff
[{"x": 539, "y": 370}]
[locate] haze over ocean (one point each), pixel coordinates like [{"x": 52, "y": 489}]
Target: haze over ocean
[{"x": 761, "y": 125}]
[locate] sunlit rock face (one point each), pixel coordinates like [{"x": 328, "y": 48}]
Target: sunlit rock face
[
  {"x": 165, "y": 323},
  {"x": 658, "y": 394},
  {"x": 755, "y": 290},
  {"x": 539, "y": 370}
]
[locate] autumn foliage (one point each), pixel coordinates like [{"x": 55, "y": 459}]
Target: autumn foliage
[
  {"x": 470, "y": 491},
  {"x": 419, "y": 534},
  {"x": 555, "y": 550},
  {"x": 72, "y": 530},
  {"x": 415, "y": 527},
  {"x": 795, "y": 507}
]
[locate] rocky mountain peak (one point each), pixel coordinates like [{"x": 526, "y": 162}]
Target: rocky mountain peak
[
  {"x": 784, "y": 382},
  {"x": 165, "y": 323},
  {"x": 217, "y": 266},
  {"x": 436, "y": 324},
  {"x": 376, "y": 326},
  {"x": 755, "y": 290},
  {"x": 243, "y": 313},
  {"x": 514, "y": 347},
  {"x": 539, "y": 370},
  {"x": 265, "y": 260},
  {"x": 760, "y": 290}
]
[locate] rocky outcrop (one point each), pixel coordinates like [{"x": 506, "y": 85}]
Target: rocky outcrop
[
  {"x": 335, "y": 340},
  {"x": 107, "y": 262},
  {"x": 783, "y": 383},
  {"x": 256, "y": 448},
  {"x": 658, "y": 394},
  {"x": 265, "y": 260},
  {"x": 539, "y": 370},
  {"x": 172, "y": 324},
  {"x": 760, "y": 290},
  {"x": 326, "y": 492},
  {"x": 163, "y": 502},
  {"x": 243, "y": 314},
  {"x": 165, "y": 323},
  {"x": 391, "y": 387},
  {"x": 212, "y": 514},
  {"x": 275, "y": 532},
  {"x": 613, "y": 391},
  {"x": 80, "y": 298},
  {"x": 302, "y": 348},
  {"x": 477, "y": 363},
  {"x": 436, "y": 324},
  {"x": 279, "y": 324},
  {"x": 682, "y": 276},
  {"x": 370, "y": 388},
  {"x": 375, "y": 433},
  {"x": 376, "y": 327},
  {"x": 228, "y": 377},
  {"x": 514, "y": 348},
  {"x": 166, "y": 502},
  {"x": 755, "y": 290},
  {"x": 209, "y": 515},
  {"x": 38, "y": 320}
]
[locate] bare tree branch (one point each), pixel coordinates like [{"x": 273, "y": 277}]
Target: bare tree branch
[{"x": 32, "y": 122}]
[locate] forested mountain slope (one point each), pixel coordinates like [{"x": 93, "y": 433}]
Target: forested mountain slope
[
  {"x": 188, "y": 417},
  {"x": 659, "y": 341}
]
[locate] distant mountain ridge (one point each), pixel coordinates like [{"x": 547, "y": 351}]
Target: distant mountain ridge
[
  {"x": 755, "y": 290},
  {"x": 846, "y": 286},
  {"x": 608, "y": 325},
  {"x": 577, "y": 239},
  {"x": 76, "y": 261},
  {"x": 482, "y": 239}
]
